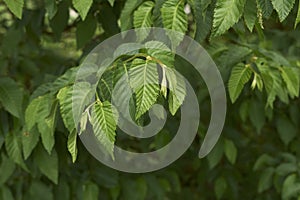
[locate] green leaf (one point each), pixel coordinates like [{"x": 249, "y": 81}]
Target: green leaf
[
  {"x": 266, "y": 7},
  {"x": 59, "y": 22},
  {"x": 65, "y": 101},
  {"x": 72, "y": 145},
  {"x": 85, "y": 31},
  {"x": 227, "y": 13},
  {"x": 290, "y": 187},
  {"x": 82, "y": 96},
  {"x": 262, "y": 161},
  {"x": 83, "y": 7},
  {"x": 11, "y": 96},
  {"x": 250, "y": 14},
  {"x": 111, "y": 2},
  {"x": 230, "y": 151},
  {"x": 271, "y": 80},
  {"x": 257, "y": 114},
  {"x": 29, "y": 141},
  {"x": 161, "y": 52},
  {"x": 143, "y": 78},
  {"x": 174, "y": 18},
  {"x": 90, "y": 191},
  {"x": 140, "y": 186},
  {"x": 7, "y": 168},
  {"x": 51, "y": 8},
  {"x": 37, "y": 110},
  {"x": 142, "y": 18},
  {"x": 234, "y": 55},
  {"x": 220, "y": 187},
  {"x": 292, "y": 80},
  {"x": 16, "y": 7},
  {"x": 38, "y": 190},
  {"x": 265, "y": 180},
  {"x": 48, "y": 164},
  {"x": 177, "y": 89},
  {"x": 215, "y": 156},
  {"x": 47, "y": 127},
  {"x": 6, "y": 193},
  {"x": 203, "y": 18},
  {"x": 240, "y": 75},
  {"x": 298, "y": 16},
  {"x": 103, "y": 119},
  {"x": 127, "y": 13},
  {"x": 286, "y": 129},
  {"x": 283, "y": 7},
  {"x": 285, "y": 169},
  {"x": 14, "y": 149}
]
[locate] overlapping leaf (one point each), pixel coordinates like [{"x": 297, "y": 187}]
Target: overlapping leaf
[
  {"x": 240, "y": 75},
  {"x": 142, "y": 18},
  {"x": 103, "y": 118},
  {"x": 144, "y": 81},
  {"x": 227, "y": 13}
]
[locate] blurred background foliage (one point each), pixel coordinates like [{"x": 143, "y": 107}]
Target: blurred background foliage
[{"x": 256, "y": 46}]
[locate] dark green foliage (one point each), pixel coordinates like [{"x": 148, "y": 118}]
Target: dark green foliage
[{"x": 256, "y": 46}]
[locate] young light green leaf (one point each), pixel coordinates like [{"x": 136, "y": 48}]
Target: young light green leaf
[
  {"x": 227, "y": 13},
  {"x": 292, "y": 80},
  {"x": 11, "y": 96},
  {"x": 72, "y": 145},
  {"x": 16, "y": 7},
  {"x": 83, "y": 122},
  {"x": 177, "y": 89},
  {"x": 230, "y": 151},
  {"x": 111, "y": 2},
  {"x": 142, "y": 18},
  {"x": 48, "y": 164},
  {"x": 143, "y": 78},
  {"x": 283, "y": 8},
  {"x": 103, "y": 119},
  {"x": 174, "y": 18},
  {"x": 240, "y": 75},
  {"x": 161, "y": 52},
  {"x": 250, "y": 14},
  {"x": 29, "y": 141},
  {"x": 65, "y": 101},
  {"x": 83, "y": 7}
]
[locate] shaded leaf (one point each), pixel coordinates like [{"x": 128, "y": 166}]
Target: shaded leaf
[
  {"x": 48, "y": 164},
  {"x": 11, "y": 96}
]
